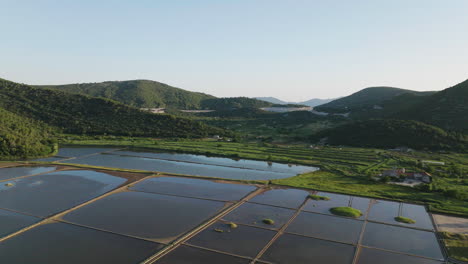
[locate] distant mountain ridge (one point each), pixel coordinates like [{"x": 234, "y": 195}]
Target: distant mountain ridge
[{"x": 312, "y": 102}]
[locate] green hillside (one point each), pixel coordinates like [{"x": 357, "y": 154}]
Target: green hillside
[
  {"x": 447, "y": 109},
  {"x": 364, "y": 99},
  {"x": 233, "y": 103},
  {"x": 393, "y": 133},
  {"x": 80, "y": 114},
  {"x": 138, "y": 93},
  {"x": 21, "y": 137}
]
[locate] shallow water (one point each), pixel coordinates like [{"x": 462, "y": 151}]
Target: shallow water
[
  {"x": 194, "y": 188},
  {"x": 243, "y": 240},
  {"x": 372, "y": 256},
  {"x": 253, "y": 214},
  {"x": 412, "y": 241},
  {"x": 303, "y": 250},
  {"x": 51, "y": 193},
  {"x": 59, "y": 243},
  {"x": 190, "y": 255},
  {"x": 146, "y": 215},
  {"x": 239, "y": 163},
  {"x": 326, "y": 227},
  {"x": 289, "y": 198},
  {"x": 140, "y": 163},
  {"x": 14, "y": 172},
  {"x": 11, "y": 222}
]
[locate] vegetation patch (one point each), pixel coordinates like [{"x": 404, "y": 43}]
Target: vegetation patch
[
  {"x": 456, "y": 244},
  {"x": 318, "y": 197},
  {"x": 268, "y": 221},
  {"x": 405, "y": 220},
  {"x": 232, "y": 225},
  {"x": 346, "y": 211}
]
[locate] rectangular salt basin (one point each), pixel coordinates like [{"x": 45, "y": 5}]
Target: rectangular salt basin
[
  {"x": 11, "y": 222},
  {"x": 190, "y": 255},
  {"x": 336, "y": 200},
  {"x": 372, "y": 256},
  {"x": 71, "y": 152},
  {"x": 295, "y": 249},
  {"x": 227, "y": 162},
  {"x": 326, "y": 227},
  {"x": 14, "y": 172},
  {"x": 386, "y": 211},
  {"x": 241, "y": 240},
  {"x": 147, "y": 215},
  {"x": 140, "y": 163},
  {"x": 194, "y": 188},
  {"x": 51, "y": 193},
  {"x": 289, "y": 198},
  {"x": 400, "y": 239},
  {"x": 254, "y": 214},
  {"x": 59, "y": 243}
]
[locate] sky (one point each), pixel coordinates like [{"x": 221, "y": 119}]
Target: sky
[{"x": 294, "y": 50}]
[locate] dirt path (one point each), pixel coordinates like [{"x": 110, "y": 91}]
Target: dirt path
[{"x": 451, "y": 224}]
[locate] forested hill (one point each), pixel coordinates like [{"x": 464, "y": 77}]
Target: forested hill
[
  {"x": 231, "y": 103},
  {"x": 80, "y": 114},
  {"x": 138, "y": 93},
  {"x": 22, "y": 137},
  {"x": 365, "y": 98},
  {"x": 447, "y": 109},
  {"x": 393, "y": 133}
]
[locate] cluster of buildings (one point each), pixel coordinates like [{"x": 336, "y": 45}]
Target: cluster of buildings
[{"x": 412, "y": 177}]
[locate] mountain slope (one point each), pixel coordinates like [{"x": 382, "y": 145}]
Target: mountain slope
[
  {"x": 233, "y": 103},
  {"x": 21, "y": 137},
  {"x": 312, "y": 102},
  {"x": 447, "y": 109},
  {"x": 367, "y": 97},
  {"x": 393, "y": 133},
  {"x": 272, "y": 100},
  {"x": 316, "y": 102},
  {"x": 138, "y": 93},
  {"x": 80, "y": 114}
]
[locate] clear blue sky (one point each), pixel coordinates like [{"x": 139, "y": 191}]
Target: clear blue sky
[{"x": 293, "y": 50}]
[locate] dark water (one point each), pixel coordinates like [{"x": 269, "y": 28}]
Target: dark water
[
  {"x": 194, "y": 188},
  {"x": 384, "y": 211},
  {"x": 303, "y": 250},
  {"x": 14, "y": 172},
  {"x": 141, "y": 163},
  {"x": 54, "y": 192},
  {"x": 324, "y": 206},
  {"x": 227, "y": 162},
  {"x": 253, "y": 214},
  {"x": 11, "y": 222},
  {"x": 419, "y": 214},
  {"x": 51, "y": 159},
  {"x": 373, "y": 256},
  {"x": 406, "y": 240},
  {"x": 146, "y": 215},
  {"x": 290, "y": 198},
  {"x": 327, "y": 227},
  {"x": 190, "y": 255},
  {"x": 60, "y": 243},
  {"x": 243, "y": 240}
]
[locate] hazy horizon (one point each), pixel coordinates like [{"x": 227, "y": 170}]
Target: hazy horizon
[{"x": 294, "y": 51}]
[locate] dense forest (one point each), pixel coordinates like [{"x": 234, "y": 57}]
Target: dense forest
[
  {"x": 233, "y": 103},
  {"x": 80, "y": 114},
  {"x": 138, "y": 93},
  {"x": 22, "y": 137},
  {"x": 447, "y": 109},
  {"x": 393, "y": 133}
]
